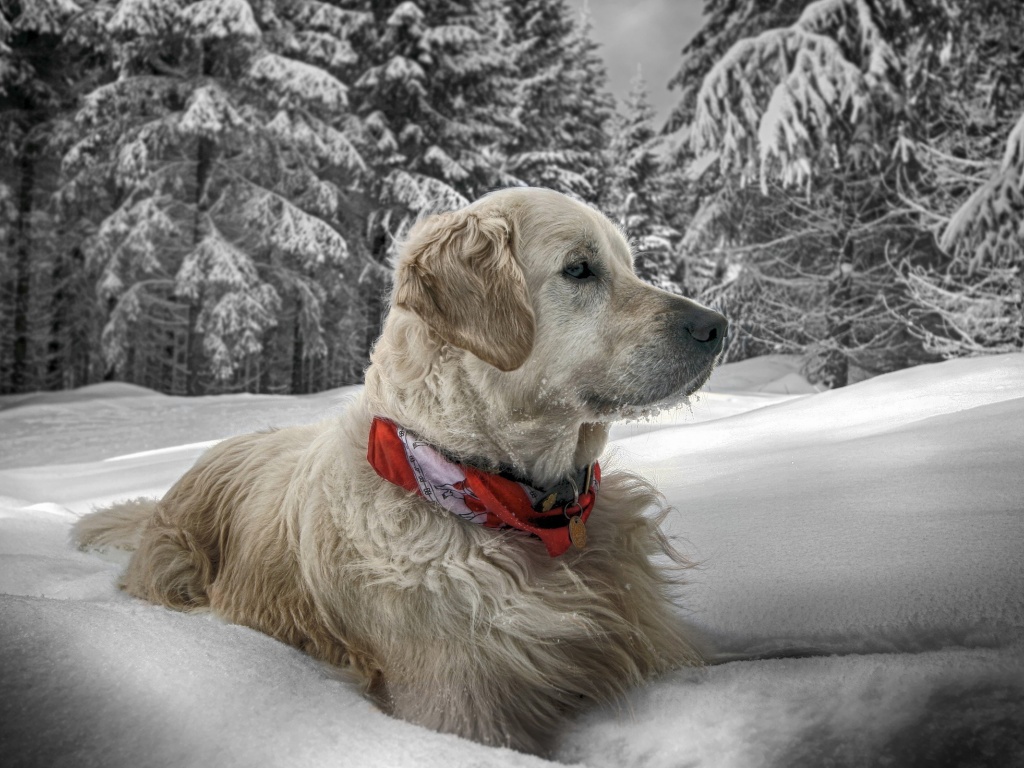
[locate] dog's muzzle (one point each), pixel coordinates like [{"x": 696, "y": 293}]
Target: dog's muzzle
[{"x": 672, "y": 359}]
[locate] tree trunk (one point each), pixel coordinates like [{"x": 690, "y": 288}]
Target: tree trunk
[
  {"x": 204, "y": 167},
  {"x": 1020, "y": 307},
  {"x": 374, "y": 294},
  {"x": 840, "y": 289},
  {"x": 59, "y": 372},
  {"x": 20, "y": 378},
  {"x": 374, "y": 310},
  {"x": 297, "y": 358}
]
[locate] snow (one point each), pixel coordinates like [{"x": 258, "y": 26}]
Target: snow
[
  {"x": 209, "y": 114},
  {"x": 812, "y": 86},
  {"x": 145, "y": 18},
  {"x": 221, "y": 19},
  {"x": 296, "y": 232},
  {"x": 861, "y": 581},
  {"x": 299, "y": 85}
]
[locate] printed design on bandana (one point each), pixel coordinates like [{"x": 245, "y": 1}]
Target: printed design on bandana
[
  {"x": 556, "y": 515},
  {"x": 440, "y": 480}
]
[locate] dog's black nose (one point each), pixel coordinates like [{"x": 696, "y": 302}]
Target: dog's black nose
[{"x": 707, "y": 327}]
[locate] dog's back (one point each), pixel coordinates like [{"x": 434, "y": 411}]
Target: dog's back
[{"x": 227, "y": 503}]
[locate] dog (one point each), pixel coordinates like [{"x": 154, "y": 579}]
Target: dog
[{"x": 450, "y": 538}]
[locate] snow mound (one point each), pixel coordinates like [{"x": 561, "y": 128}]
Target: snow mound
[
  {"x": 129, "y": 685},
  {"x": 81, "y": 428},
  {"x": 106, "y": 389},
  {"x": 772, "y": 374}
]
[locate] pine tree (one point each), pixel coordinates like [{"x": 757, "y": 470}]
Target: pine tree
[
  {"x": 430, "y": 87},
  {"x": 811, "y": 112},
  {"x": 219, "y": 186},
  {"x": 213, "y": 150},
  {"x": 44, "y": 60},
  {"x": 562, "y": 114},
  {"x": 726, "y": 23},
  {"x": 589, "y": 108},
  {"x": 965, "y": 161},
  {"x": 815, "y": 93},
  {"x": 976, "y": 304},
  {"x": 638, "y": 189}
]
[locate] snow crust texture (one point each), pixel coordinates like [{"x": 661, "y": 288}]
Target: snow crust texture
[{"x": 861, "y": 586}]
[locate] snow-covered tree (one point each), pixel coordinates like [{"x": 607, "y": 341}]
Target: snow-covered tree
[
  {"x": 44, "y": 59},
  {"x": 638, "y": 189},
  {"x": 231, "y": 177},
  {"x": 429, "y": 85},
  {"x": 726, "y": 22},
  {"x": 964, "y": 164},
  {"x": 430, "y": 94},
  {"x": 559, "y": 79},
  {"x": 818, "y": 92},
  {"x": 975, "y": 305},
  {"x": 589, "y": 107},
  {"x": 222, "y": 163},
  {"x": 811, "y": 112}
]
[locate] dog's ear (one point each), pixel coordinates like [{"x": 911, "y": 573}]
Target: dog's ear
[{"x": 457, "y": 272}]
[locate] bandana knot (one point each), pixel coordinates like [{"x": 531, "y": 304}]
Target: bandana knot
[{"x": 555, "y": 515}]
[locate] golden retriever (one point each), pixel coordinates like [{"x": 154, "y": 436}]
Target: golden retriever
[{"x": 518, "y": 332}]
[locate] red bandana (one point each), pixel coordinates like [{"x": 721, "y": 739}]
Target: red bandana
[{"x": 555, "y": 516}]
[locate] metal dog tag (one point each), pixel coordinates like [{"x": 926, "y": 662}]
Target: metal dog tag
[{"x": 577, "y": 532}]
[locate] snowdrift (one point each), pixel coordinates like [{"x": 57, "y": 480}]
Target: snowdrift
[{"x": 861, "y": 580}]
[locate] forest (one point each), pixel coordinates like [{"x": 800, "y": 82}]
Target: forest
[{"x": 204, "y": 197}]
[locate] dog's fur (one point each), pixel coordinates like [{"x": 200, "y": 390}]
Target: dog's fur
[{"x": 497, "y": 356}]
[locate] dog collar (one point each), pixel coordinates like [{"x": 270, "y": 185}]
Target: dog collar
[{"x": 554, "y": 515}]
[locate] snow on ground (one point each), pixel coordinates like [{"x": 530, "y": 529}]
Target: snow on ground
[{"x": 861, "y": 581}]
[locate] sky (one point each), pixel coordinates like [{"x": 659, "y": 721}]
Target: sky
[{"x": 648, "y": 33}]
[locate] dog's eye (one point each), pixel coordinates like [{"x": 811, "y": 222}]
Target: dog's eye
[{"x": 578, "y": 271}]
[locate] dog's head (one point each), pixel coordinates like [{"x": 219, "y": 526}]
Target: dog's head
[{"x": 540, "y": 290}]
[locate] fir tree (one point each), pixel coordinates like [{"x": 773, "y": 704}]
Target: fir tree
[
  {"x": 976, "y": 305},
  {"x": 815, "y": 93},
  {"x": 811, "y": 111},
  {"x": 638, "y": 188},
  {"x": 964, "y": 160},
  {"x": 726, "y": 23},
  {"x": 429, "y": 85},
  {"x": 588, "y": 108},
  {"x": 213, "y": 145},
  {"x": 559, "y": 83},
  {"x": 44, "y": 59}
]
